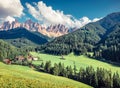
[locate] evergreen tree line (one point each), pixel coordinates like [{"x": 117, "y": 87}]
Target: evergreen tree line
[
  {"x": 65, "y": 49},
  {"x": 111, "y": 53},
  {"x": 100, "y": 78}
]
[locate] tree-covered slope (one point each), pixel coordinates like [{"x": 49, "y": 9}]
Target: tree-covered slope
[
  {"x": 85, "y": 38},
  {"x": 21, "y": 37},
  {"x": 110, "y": 20},
  {"x": 114, "y": 37},
  {"x": 109, "y": 48},
  {"x": 8, "y": 51}
]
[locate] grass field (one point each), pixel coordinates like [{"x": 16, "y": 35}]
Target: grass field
[
  {"x": 15, "y": 76},
  {"x": 80, "y": 61}
]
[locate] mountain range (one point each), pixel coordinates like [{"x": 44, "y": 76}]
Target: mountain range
[
  {"x": 96, "y": 37},
  {"x": 50, "y": 31}
]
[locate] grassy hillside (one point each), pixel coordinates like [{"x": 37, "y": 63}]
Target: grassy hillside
[
  {"x": 80, "y": 61},
  {"x": 14, "y": 76}
]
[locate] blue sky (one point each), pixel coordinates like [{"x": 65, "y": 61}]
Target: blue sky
[
  {"x": 80, "y": 8},
  {"x": 71, "y": 13}
]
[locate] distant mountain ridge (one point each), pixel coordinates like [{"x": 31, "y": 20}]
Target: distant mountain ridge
[
  {"x": 50, "y": 31},
  {"x": 20, "y": 37}
]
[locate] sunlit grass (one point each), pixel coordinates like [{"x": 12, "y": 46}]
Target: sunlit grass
[
  {"x": 80, "y": 61},
  {"x": 15, "y": 76}
]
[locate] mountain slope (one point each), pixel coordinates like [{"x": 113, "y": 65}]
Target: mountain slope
[
  {"x": 109, "y": 48},
  {"x": 22, "y": 37},
  {"x": 85, "y": 38},
  {"x": 113, "y": 38},
  {"x": 110, "y": 20}
]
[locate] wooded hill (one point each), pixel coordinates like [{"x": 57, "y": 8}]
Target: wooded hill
[
  {"x": 20, "y": 37},
  {"x": 88, "y": 38},
  {"x": 8, "y": 51},
  {"x": 110, "y": 47}
]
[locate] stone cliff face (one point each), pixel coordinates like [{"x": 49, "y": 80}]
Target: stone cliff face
[
  {"x": 50, "y": 31},
  {"x": 57, "y": 30},
  {"x": 9, "y": 25}
]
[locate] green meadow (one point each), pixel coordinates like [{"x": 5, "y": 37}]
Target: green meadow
[
  {"x": 79, "y": 61},
  {"x": 15, "y": 76}
]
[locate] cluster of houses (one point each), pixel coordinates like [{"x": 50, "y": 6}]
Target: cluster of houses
[{"x": 20, "y": 58}]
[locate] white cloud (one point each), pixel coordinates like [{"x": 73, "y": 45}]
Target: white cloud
[
  {"x": 11, "y": 8},
  {"x": 96, "y": 19},
  {"x": 48, "y": 16},
  {"x": 84, "y": 20},
  {"x": 10, "y": 19}
]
